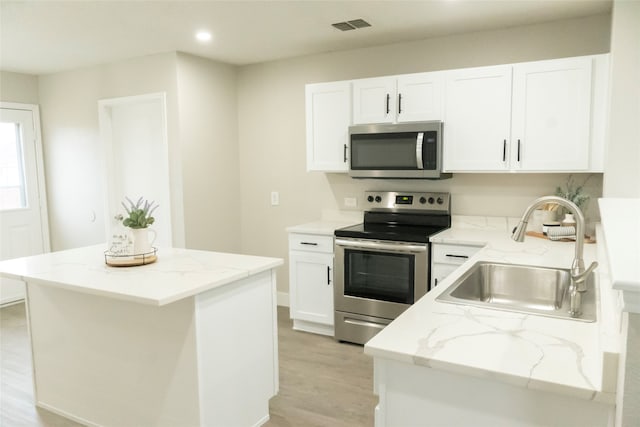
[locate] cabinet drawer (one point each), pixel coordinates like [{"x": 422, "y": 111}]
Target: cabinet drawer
[
  {"x": 310, "y": 243},
  {"x": 452, "y": 254}
]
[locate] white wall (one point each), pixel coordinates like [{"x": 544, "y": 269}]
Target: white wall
[
  {"x": 72, "y": 150},
  {"x": 272, "y": 136},
  {"x": 207, "y": 105},
  {"x": 16, "y": 87},
  {"x": 622, "y": 174}
]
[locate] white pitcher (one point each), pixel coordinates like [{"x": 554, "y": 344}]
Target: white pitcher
[{"x": 141, "y": 243}]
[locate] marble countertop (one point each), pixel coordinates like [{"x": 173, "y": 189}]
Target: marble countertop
[
  {"x": 177, "y": 274},
  {"x": 541, "y": 353},
  {"x": 621, "y": 225},
  {"x": 323, "y": 227}
]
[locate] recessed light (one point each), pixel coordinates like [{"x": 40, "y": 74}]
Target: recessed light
[{"x": 203, "y": 36}]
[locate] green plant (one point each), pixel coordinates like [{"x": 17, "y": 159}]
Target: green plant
[
  {"x": 140, "y": 213},
  {"x": 574, "y": 192}
]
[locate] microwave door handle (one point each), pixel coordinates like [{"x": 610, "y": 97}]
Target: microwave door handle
[{"x": 419, "y": 150}]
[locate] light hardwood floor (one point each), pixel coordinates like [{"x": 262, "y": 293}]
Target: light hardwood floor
[{"x": 322, "y": 382}]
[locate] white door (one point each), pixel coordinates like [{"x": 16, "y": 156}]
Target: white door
[
  {"x": 551, "y": 115},
  {"x": 328, "y": 114},
  {"x": 23, "y": 211},
  {"x": 374, "y": 100},
  {"x": 477, "y": 120},
  {"x": 134, "y": 134},
  {"x": 420, "y": 97}
]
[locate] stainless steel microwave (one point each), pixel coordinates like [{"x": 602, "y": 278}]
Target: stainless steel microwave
[{"x": 408, "y": 150}]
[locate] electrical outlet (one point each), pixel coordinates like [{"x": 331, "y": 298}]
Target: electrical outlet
[
  {"x": 275, "y": 198},
  {"x": 350, "y": 202}
]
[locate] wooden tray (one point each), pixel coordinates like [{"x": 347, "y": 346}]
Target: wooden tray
[
  {"x": 130, "y": 260},
  {"x": 587, "y": 239}
]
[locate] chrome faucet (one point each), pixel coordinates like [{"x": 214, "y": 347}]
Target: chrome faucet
[{"x": 578, "y": 273}]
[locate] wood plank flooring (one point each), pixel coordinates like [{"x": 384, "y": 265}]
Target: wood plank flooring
[{"x": 322, "y": 382}]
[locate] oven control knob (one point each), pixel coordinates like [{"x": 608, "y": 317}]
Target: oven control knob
[
  {"x": 378, "y": 199},
  {"x": 370, "y": 199},
  {"x": 431, "y": 200},
  {"x": 423, "y": 200},
  {"x": 440, "y": 200}
]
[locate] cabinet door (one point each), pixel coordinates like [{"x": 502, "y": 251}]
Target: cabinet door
[
  {"x": 311, "y": 286},
  {"x": 477, "y": 119},
  {"x": 551, "y": 115},
  {"x": 420, "y": 97},
  {"x": 328, "y": 109},
  {"x": 374, "y": 100}
]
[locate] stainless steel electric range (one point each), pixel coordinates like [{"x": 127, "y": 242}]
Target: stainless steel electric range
[{"x": 382, "y": 265}]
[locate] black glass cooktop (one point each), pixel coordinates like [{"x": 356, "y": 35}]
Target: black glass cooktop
[{"x": 399, "y": 227}]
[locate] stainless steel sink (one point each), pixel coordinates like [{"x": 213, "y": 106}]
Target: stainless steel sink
[{"x": 535, "y": 290}]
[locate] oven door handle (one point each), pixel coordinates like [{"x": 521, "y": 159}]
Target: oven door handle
[{"x": 397, "y": 247}]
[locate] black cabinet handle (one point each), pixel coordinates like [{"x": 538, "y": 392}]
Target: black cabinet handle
[
  {"x": 399, "y": 103},
  {"x": 504, "y": 150},
  {"x": 388, "y": 96},
  {"x": 518, "y": 150},
  {"x": 344, "y": 153},
  {"x": 309, "y": 243},
  {"x": 457, "y": 256},
  {"x": 328, "y": 275},
  {"x": 435, "y": 282}
]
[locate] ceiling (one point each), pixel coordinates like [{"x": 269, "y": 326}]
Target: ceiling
[{"x": 40, "y": 37}]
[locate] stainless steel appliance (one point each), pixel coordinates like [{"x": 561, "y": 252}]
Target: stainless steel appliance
[
  {"x": 408, "y": 150},
  {"x": 382, "y": 265}
]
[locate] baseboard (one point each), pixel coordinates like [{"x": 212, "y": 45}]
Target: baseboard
[{"x": 283, "y": 299}]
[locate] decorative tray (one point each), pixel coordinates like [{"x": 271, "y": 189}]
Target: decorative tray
[{"x": 118, "y": 260}]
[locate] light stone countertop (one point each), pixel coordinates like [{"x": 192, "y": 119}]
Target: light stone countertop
[
  {"x": 621, "y": 225},
  {"x": 177, "y": 274},
  {"x": 323, "y": 227},
  {"x": 541, "y": 353}
]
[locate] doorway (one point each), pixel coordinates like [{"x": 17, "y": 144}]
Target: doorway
[
  {"x": 134, "y": 134},
  {"x": 23, "y": 202}
]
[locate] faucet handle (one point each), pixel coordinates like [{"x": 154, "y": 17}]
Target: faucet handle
[{"x": 581, "y": 277}]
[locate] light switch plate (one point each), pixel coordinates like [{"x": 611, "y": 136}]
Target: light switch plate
[{"x": 275, "y": 198}]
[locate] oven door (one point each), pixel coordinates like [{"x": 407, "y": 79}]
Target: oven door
[{"x": 379, "y": 278}]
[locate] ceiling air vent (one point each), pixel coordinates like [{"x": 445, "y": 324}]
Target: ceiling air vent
[{"x": 351, "y": 25}]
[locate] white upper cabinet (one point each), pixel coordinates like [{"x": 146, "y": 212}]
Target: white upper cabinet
[
  {"x": 396, "y": 99},
  {"x": 551, "y": 115},
  {"x": 374, "y": 100},
  {"x": 477, "y": 119},
  {"x": 328, "y": 117},
  {"x": 420, "y": 97},
  {"x": 544, "y": 116}
]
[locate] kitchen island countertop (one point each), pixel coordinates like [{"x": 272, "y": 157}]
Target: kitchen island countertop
[{"x": 178, "y": 273}]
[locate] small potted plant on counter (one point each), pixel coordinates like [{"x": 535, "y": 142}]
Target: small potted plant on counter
[
  {"x": 140, "y": 217},
  {"x": 574, "y": 193}
]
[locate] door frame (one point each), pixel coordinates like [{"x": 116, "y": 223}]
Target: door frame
[
  {"x": 106, "y": 137},
  {"x": 41, "y": 181}
]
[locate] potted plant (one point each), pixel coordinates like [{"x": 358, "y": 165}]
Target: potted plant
[
  {"x": 139, "y": 218},
  {"x": 574, "y": 193}
]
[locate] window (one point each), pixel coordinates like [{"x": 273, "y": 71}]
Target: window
[{"x": 12, "y": 180}]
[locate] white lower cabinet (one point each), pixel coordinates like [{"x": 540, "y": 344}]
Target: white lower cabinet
[
  {"x": 446, "y": 258},
  {"x": 311, "y": 282}
]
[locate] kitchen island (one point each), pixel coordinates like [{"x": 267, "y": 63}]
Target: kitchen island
[
  {"x": 189, "y": 340},
  {"x": 452, "y": 365}
]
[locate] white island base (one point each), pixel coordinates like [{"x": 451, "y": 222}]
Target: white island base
[{"x": 188, "y": 341}]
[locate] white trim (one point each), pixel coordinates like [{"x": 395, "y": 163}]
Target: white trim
[
  {"x": 283, "y": 299},
  {"x": 42, "y": 186}
]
